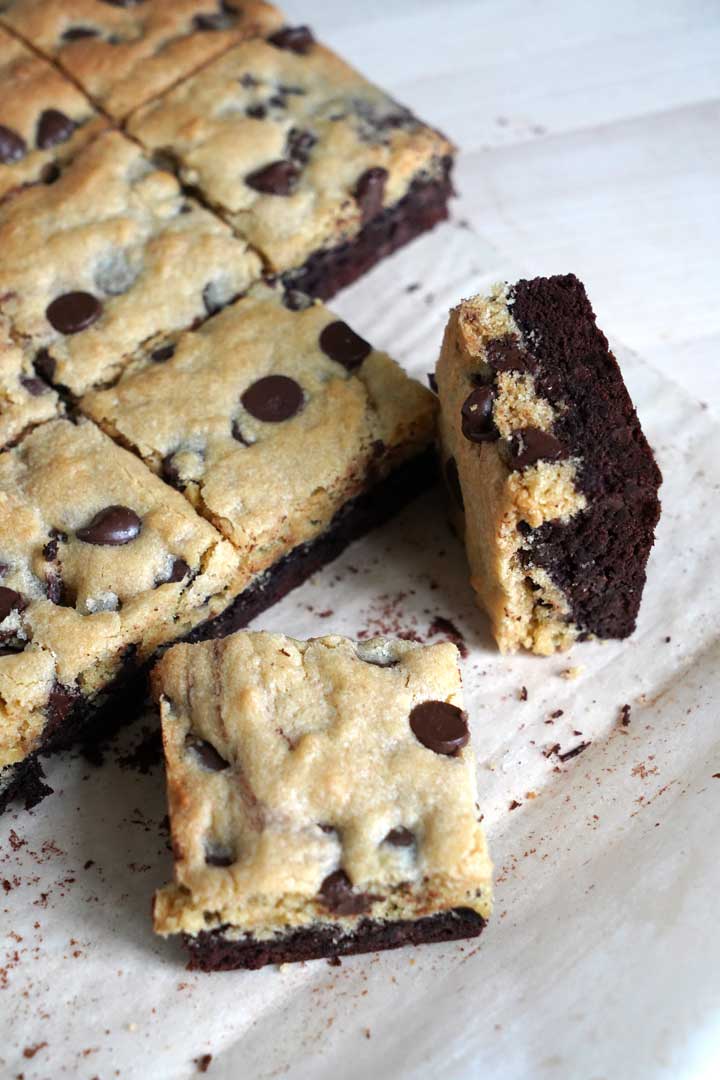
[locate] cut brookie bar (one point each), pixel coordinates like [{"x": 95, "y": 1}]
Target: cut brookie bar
[
  {"x": 282, "y": 426},
  {"x": 322, "y": 799},
  {"x": 551, "y": 478},
  {"x": 319, "y": 170},
  {"x": 100, "y": 564}
]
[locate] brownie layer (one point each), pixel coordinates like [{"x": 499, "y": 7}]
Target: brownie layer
[
  {"x": 424, "y": 205},
  {"x": 212, "y": 951},
  {"x": 597, "y": 558}
]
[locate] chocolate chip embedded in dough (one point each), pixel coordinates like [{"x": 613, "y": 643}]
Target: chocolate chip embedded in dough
[
  {"x": 53, "y": 127},
  {"x": 73, "y": 312},
  {"x": 369, "y": 192},
  {"x": 529, "y": 445},
  {"x": 111, "y": 527},
  {"x": 297, "y": 39},
  {"x": 340, "y": 342},
  {"x": 273, "y": 398},
  {"x": 440, "y": 726},
  {"x": 278, "y": 178}
]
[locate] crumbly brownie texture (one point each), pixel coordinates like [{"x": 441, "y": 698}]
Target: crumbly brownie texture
[
  {"x": 112, "y": 253},
  {"x": 552, "y": 481},
  {"x": 100, "y": 564},
  {"x": 268, "y": 419},
  {"x": 123, "y": 52},
  {"x": 322, "y": 798},
  {"x": 297, "y": 151},
  {"x": 25, "y": 399},
  {"x": 44, "y": 119}
]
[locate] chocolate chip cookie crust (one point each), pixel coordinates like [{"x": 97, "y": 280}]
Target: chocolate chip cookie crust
[
  {"x": 322, "y": 799},
  {"x": 552, "y": 481}
]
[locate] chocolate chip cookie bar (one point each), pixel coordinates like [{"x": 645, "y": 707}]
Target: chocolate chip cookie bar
[
  {"x": 319, "y": 170},
  {"x": 551, "y": 478},
  {"x": 111, "y": 254},
  {"x": 44, "y": 119},
  {"x": 282, "y": 426},
  {"x": 322, "y": 799},
  {"x": 25, "y": 399},
  {"x": 100, "y": 564},
  {"x": 123, "y": 52}
]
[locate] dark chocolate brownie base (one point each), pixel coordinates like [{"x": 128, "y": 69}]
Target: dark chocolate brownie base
[
  {"x": 76, "y": 721},
  {"x": 598, "y": 558},
  {"x": 212, "y": 951},
  {"x": 326, "y": 272}
]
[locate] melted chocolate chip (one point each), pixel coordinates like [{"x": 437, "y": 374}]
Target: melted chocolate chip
[
  {"x": 507, "y": 354},
  {"x": 336, "y": 893},
  {"x": 45, "y": 364},
  {"x": 299, "y": 145},
  {"x": 53, "y": 127},
  {"x": 179, "y": 571},
  {"x": 298, "y": 39},
  {"x": 369, "y": 192},
  {"x": 76, "y": 33},
  {"x": 477, "y": 416},
  {"x": 342, "y": 344},
  {"x": 206, "y": 754},
  {"x": 165, "y": 352},
  {"x": 452, "y": 479},
  {"x": 219, "y": 857},
  {"x": 12, "y": 146},
  {"x": 73, "y": 312},
  {"x": 34, "y": 387},
  {"x": 440, "y": 727},
  {"x": 10, "y": 601},
  {"x": 279, "y": 178},
  {"x": 400, "y": 837},
  {"x": 273, "y": 399},
  {"x": 529, "y": 445},
  {"x": 295, "y": 300},
  {"x": 111, "y": 527}
]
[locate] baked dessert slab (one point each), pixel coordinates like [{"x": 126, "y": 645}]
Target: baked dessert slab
[
  {"x": 123, "y": 52},
  {"x": 553, "y": 483},
  {"x": 44, "y": 119},
  {"x": 105, "y": 258},
  {"x": 319, "y": 170},
  {"x": 25, "y": 399},
  {"x": 322, "y": 799},
  {"x": 100, "y": 564},
  {"x": 276, "y": 420}
]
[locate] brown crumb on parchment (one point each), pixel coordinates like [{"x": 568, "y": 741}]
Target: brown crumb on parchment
[{"x": 203, "y": 1062}]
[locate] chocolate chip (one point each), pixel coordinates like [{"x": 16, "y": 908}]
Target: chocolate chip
[
  {"x": 295, "y": 300},
  {"x": 12, "y": 146},
  {"x": 53, "y": 127},
  {"x": 336, "y": 893},
  {"x": 76, "y": 33},
  {"x": 73, "y": 312},
  {"x": 273, "y": 398},
  {"x": 369, "y": 192},
  {"x": 299, "y": 145},
  {"x": 507, "y": 354},
  {"x": 50, "y": 173},
  {"x": 179, "y": 571},
  {"x": 452, "y": 479},
  {"x": 256, "y": 112},
  {"x": 219, "y": 857},
  {"x": 50, "y": 551},
  {"x": 11, "y": 650},
  {"x": 10, "y": 601},
  {"x": 165, "y": 352},
  {"x": 206, "y": 754},
  {"x": 298, "y": 39},
  {"x": 170, "y": 473},
  {"x": 55, "y": 587},
  {"x": 342, "y": 344},
  {"x": 111, "y": 527},
  {"x": 477, "y": 416},
  {"x": 34, "y": 387},
  {"x": 400, "y": 837},
  {"x": 61, "y": 700},
  {"x": 279, "y": 178},
  {"x": 216, "y": 20},
  {"x": 45, "y": 364},
  {"x": 432, "y": 381},
  {"x": 529, "y": 445},
  {"x": 440, "y": 727},
  {"x": 123, "y": 3}
]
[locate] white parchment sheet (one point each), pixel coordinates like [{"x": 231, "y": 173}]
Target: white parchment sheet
[{"x": 602, "y": 961}]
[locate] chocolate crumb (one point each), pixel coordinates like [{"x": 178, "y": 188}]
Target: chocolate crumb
[
  {"x": 668, "y": 640},
  {"x": 523, "y": 694},
  {"x": 574, "y": 752},
  {"x": 334, "y": 961},
  {"x": 203, "y": 1062},
  {"x": 88, "y": 864},
  {"x": 625, "y": 715},
  {"x": 554, "y": 749},
  {"x": 556, "y": 714},
  {"x": 716, "y": 776},
  {"x": 31, "y": 1051},
  {"x": 514, "y": 805}
]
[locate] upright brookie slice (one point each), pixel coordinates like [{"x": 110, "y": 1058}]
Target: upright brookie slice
[
  {"x": 552, "y": 480},
  {"x": 322, "y": 799}
]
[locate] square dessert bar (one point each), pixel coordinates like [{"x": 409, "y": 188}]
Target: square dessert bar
[
  {"x": 100, "y": 563},
  {"x": 106, "y": 257},
  {"x": 44, "y": 119},
  {"x": 25, "y": 399},
  {"x": 551, "y": 478},
  {"x": 322, "y": 799},
  {"x": 282, "y": 426},
  {"x": 123, "y": 52},
  {"x": 318, "y": 169}
]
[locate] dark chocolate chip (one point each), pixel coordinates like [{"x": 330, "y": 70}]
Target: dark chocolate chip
[
  {"x": 524, "y": 528},
  {"x": 336, "y": 893},
  {"x": 295, "y": 300},
  {"x": 477, "y": 416},
  {"x": 529, "y": 445},
  {"x": 400, "y": 837},
  {"x": 60, "y": 702},
  {"x": 180, "y": 570},
  {"x": 298, "y": 39},
  {"x": 237, "y": 433},
  {"x": 279, "y": 178},
  {"x": 299, "y": 145},
  {"x": 54, "y": 587},
  {"x": 76, "y": 33},
  {"x": 111, "y": 527},
  {"x": 10, "y": 601},
  {"x": 342, "y": 344},
  {"x": 50, "y": 173},
  {"x": 277, "y": 101},
  {"x": 206, "y": 754},
  {"x": 440, "y": 727},
  {"x": 12, "y": 146},
  {"x": 256, "y": 112},
  {"x": 53, "y": 127},
  {"x": 50, "y": 551},
  {"x": 507, "y": 354},
  {"x": 11, "y": 650},
  {"x": 219, "y": 857},
  {"x": 170, "y": 473},
  {"x": 165, "y": 352},
  {"x": 123, "y": 3},
  {"x": 73, "y": 312},
  {"x": 452, "y": 478},
  {"x": 45, "y": 364},
  {"x": 273, "y": 398},
  {"x": 432, "y": 381},
  {"x": 34, "y": 387},
  {"x": 369, "y": 192}
]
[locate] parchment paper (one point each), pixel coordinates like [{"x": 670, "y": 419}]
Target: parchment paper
[{"x": 602, "y": 961}]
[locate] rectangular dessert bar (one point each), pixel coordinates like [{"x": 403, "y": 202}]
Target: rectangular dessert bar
[
  {"x": 100, "y": 564},
  {"x": 322, "y": 799},
  {"x": 109, "y": 255},
  {"x": 123, "y": 52},
  {"x": 319, "y": 170},
  {"x": 552, "y": 482},
  {"x": 282, "y": 426},
  {"x": 44, "y": 119},
  {"x": 25, "y": 399}
]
